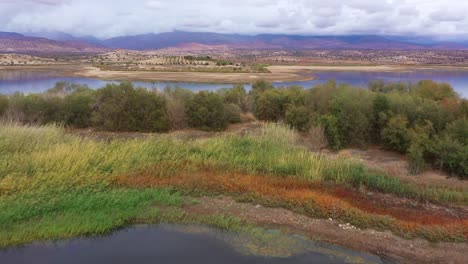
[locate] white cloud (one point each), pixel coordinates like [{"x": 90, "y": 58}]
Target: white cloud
[
  {"x": 448, "y": 15},
  {"x": 108, "y": 18},
  {"x": 154, "y": 4}
]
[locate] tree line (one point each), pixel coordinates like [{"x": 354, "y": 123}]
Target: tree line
[{"x": 426, "y": 120}]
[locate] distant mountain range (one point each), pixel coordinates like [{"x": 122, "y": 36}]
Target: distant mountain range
[
  {"x": 17, "y": 43},
  {"x": 265, "y": 41},
  {"x": 59, "y": 42}
]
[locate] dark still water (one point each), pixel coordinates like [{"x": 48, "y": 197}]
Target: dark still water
[
  {"x": 34, "y": 82},
  {"x": 182, "y": 244}
]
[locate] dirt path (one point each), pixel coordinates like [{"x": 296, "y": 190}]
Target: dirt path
[{"x": 388, "y": 246}]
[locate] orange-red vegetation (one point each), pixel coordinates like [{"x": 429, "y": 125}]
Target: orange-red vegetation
[{"x": 325, "y": 201}]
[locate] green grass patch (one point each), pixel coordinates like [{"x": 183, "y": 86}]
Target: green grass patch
[{"x": 58, "y": 215}]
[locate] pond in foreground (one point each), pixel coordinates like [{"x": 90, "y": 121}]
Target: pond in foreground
[{"x": 184, "y": 244}]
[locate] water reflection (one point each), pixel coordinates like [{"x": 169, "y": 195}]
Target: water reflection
[{"x": 184, "y": 244}]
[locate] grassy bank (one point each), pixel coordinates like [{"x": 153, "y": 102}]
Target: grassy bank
[{"x": 55, "y": 185}]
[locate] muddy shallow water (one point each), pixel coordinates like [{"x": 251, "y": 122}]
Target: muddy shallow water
[{"x": 184, "y": 244}]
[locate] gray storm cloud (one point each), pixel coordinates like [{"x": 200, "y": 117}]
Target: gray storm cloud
[{"x": 109, "y": 18}]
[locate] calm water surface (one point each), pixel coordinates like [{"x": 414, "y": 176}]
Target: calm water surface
[
  {"x": 33, "y": 82},
  {"x": 182, "y": 244}
]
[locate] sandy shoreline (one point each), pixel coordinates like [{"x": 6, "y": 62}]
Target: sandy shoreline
[
  {"x": 279, "y": 73},
  {"x": 202, "y": 77},
  {"x": 366, "y": 68}
]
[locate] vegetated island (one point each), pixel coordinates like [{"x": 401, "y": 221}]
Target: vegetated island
[{"x": 76, "y": 161}]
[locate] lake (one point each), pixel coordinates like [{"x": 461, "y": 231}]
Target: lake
[
  {"x": 34, "y": 82},
  {"x": 183, "y": 244}
]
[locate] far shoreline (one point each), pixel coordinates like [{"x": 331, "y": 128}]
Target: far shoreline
[{"x": 278, "y": 73}]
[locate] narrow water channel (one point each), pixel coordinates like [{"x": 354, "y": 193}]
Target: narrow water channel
[{"x": 183, "y": 244}]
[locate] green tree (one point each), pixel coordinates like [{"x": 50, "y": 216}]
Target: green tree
[
  {"x": 39, "y": 109},
  {"x": 450, "y": 155},
  {"x": 318, "y": 99},
  {"x": 381, "y": 108},
  {"x": 396, "y": 134},
  {"x": 353, "y": 110},
  {"x": 259, "y": 87},
  {"x": 458, "y": 130},
  {"x": 330, "y": 124},
  {"x": 380, "y": 86},
  {"x": 270, "y": 105},
  {"x": 206, "y": 111},
  {"x": 463, "y": 109},
  {"x": 77, "y": 107},
  {"x": 233, "y": 113},
  {"x": 236, "y": 95},
  {"x": 121, "y": 107},
  {"x": 298, "y": 117},
  {"x": 434, "y": 91}
]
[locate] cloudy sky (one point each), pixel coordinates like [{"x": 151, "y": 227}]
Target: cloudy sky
[{"x": 109, "y": 18}]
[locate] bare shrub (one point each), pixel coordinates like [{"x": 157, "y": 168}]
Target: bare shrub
[
  {"x": 316, "y": 138},
  {"x": 176, "y": 113},
  {"x": 247, "y": 117}
]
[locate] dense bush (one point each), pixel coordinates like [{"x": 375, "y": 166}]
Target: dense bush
[
  {"x": 380, "y": 115},
  {"x": 451, "y": 155},
  {"x": 38, "y": 109},
  {"x": 233, "y": 113},
  {"x": 260, "y": 86},
  {"x": 3, "y": 104},
  {"x": 434, "y": 91},
  {"x": 206, "y": 111},
  {"x": 77, "y": 108},
  {"x": 334, "y": 137},
  {"x": 458, "y": 131},
  {"x": 298, "y": 117},
  {"x": 124, "y": 108},
  {"x": 238, "y": 96},
  {"x": 396, "y": 134},
  {"x": 270, "y": 105},
  {"x": 353, "y": 111}
]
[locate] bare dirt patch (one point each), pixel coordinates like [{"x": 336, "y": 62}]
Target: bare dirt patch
[
  {"x": 384, "y": 244},
  {"x": 203, "y": 77}
]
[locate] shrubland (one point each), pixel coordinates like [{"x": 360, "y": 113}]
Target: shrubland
[{"x": 426, "y": 120}]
